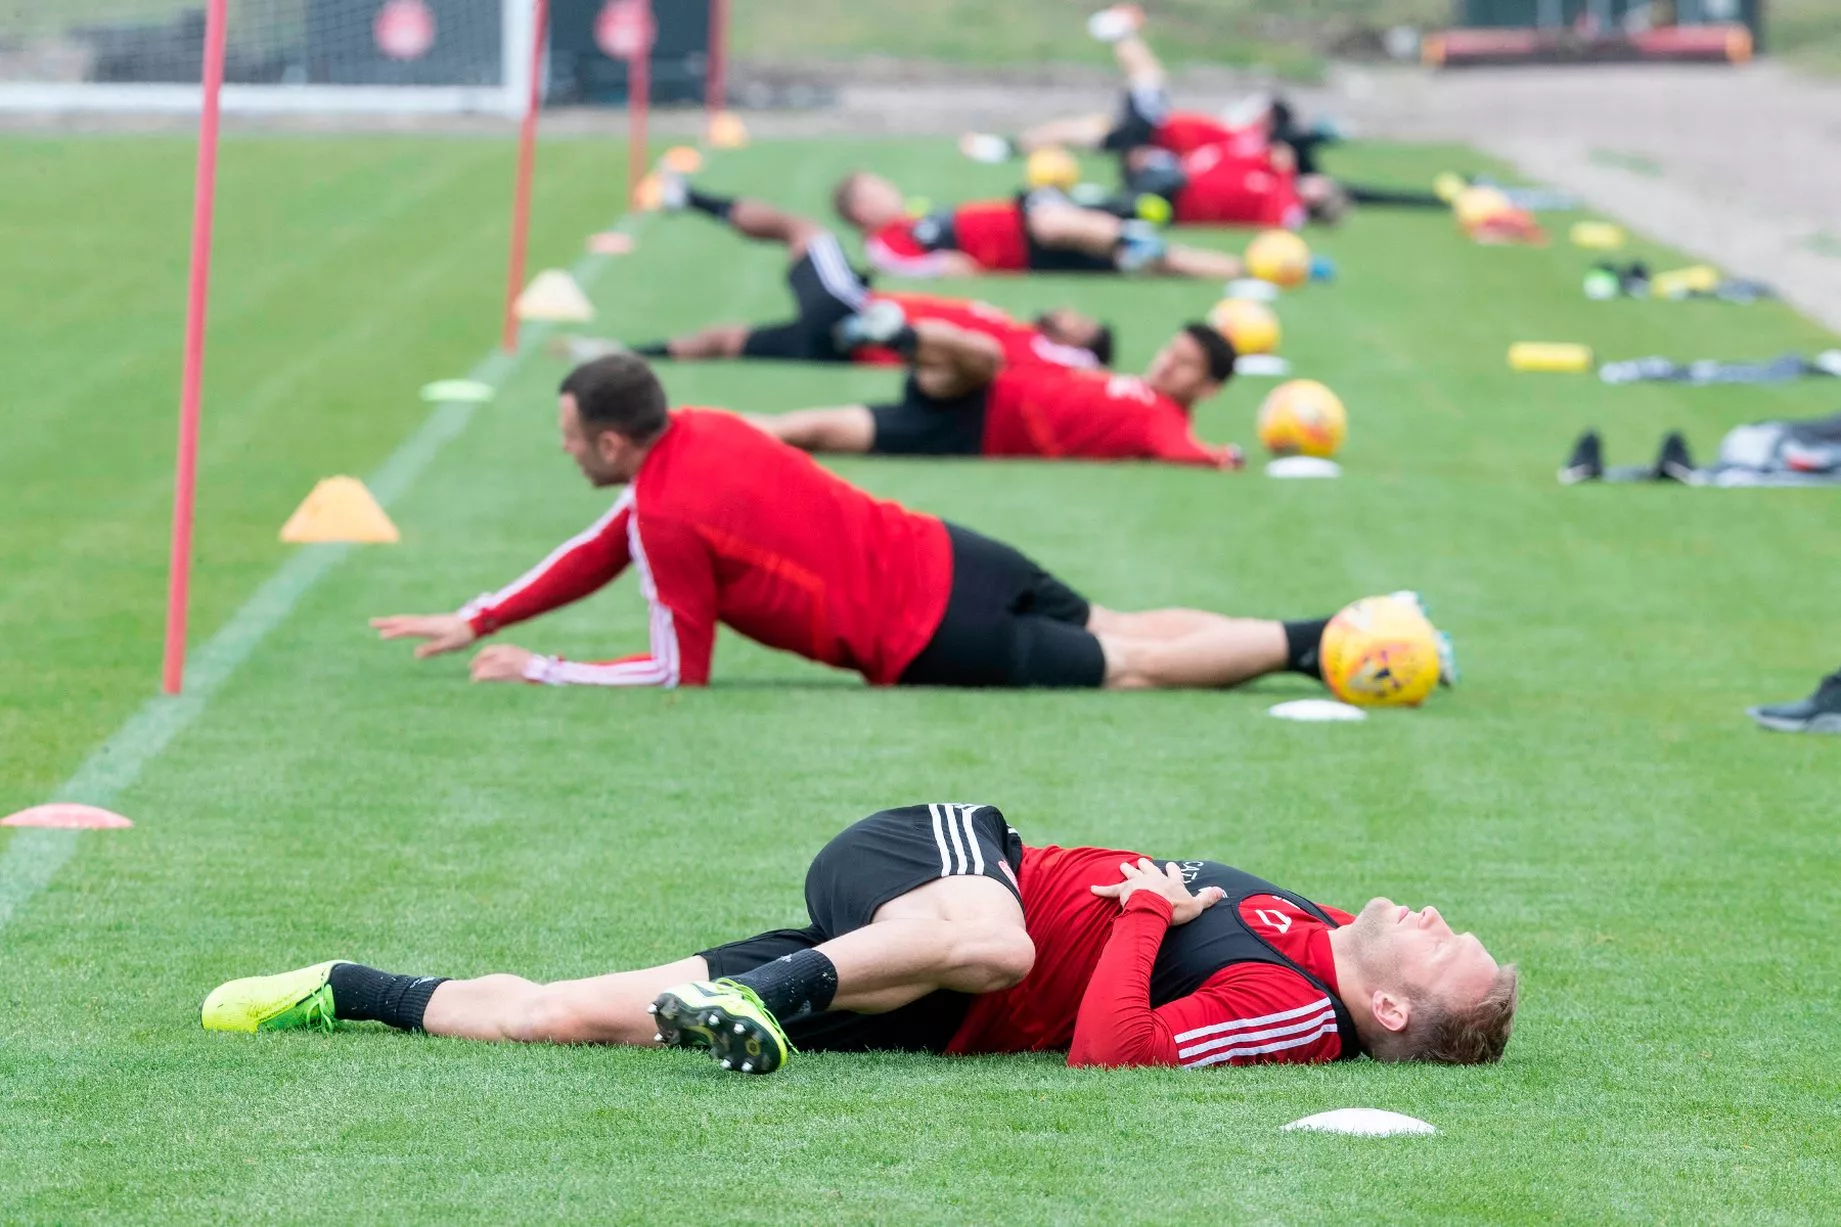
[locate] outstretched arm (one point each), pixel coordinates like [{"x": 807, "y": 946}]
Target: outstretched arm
[
  {"x": 581, "y": 565},
  {"x": 950, "y": 361},
  {"x": 680, "y": 586}
]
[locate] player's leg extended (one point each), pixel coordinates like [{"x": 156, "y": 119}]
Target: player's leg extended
[
  {"x": 849, "y": 429},
  {"x": 607, "y": 1009},
  {"x": 1190, "y": 648},
  {"x": 755, "y": 219},
  {"x": 1203, "y": 263}
]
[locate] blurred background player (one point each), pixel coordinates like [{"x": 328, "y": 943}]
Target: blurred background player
[
  {"x": 728, "y": 525},
  {"x": 1040, "y": 231},
  {"x": 1155, "y": 142},
  {"x": 827, "y": 290},
  {"x": 1819, "y": 713},
  {"x": 963, "y": 398},
  {"x": 934, "y": 928}
]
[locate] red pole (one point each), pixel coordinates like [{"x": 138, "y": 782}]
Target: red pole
[
  {"x": 191, "y": 388},
  {"x": 638, "y": 105},
  {"x": 521, "y": 191},
  {"x": 715, "y": 77}
]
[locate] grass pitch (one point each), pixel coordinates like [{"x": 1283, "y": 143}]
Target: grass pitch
[{"x": 1591, "y": 801}]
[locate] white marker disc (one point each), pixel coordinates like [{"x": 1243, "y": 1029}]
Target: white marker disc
[
  {"x": 1317, "y": 710},
  {"x": 1361, "y": 1122},
  {"x": 1302, "y": 466}
]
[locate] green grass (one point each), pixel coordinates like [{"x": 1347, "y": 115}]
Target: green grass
[{"x": 1592, "y": 801}]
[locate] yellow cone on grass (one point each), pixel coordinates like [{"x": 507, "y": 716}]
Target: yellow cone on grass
[{"x": 339, "y": 509}]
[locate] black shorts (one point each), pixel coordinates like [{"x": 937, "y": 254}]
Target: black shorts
[
  {"x": 920, "y": 425},
  {"x": 1142, "y": 113},
  {"x": 1042, "y": 259},
  {"x": 883, "y": 857},
  {"x": 1008, "y": 623},
  {"x": 827, "y": 291},
  {"x": 1158, "y": 173}
]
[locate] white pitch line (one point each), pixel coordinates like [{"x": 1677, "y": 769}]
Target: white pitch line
[{"x": 33, "y": 857}]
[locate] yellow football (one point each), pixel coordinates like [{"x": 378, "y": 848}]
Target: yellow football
[
  {"x": 1301, "y": 417},
  {"x": 1251, "y": 326},
  {"x": 1380, "y": 652},
  {"x": 1279, "y": 256},
  {"x": 1052, "y": 166}
]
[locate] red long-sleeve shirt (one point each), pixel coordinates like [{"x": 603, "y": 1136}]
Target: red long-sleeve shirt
[
  {"x": 1089, "y": 991},
  {"x": 1023, "y": 344},
  {"x": 728, "y": 525},
  {"x": 1093, "y": 415},
  {"x": 989, "y": 231},
  {"x": 1187, "y": 131},
  {"x": 1228, "y": 187}
]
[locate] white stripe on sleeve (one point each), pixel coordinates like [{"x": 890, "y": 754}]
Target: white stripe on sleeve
[{"x": 939, "y": 837}]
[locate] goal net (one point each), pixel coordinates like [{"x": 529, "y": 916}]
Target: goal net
[{"x": 281, "y": 55}]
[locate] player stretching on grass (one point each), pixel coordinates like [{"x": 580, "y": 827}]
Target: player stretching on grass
[
  {"x": 828, "y": 291},
  {"x": 1041, "y": 231},
  {"x": 725, "y": 524},
  {"x": 934, "y": 929},
  {"x": 965, "y": 399}
]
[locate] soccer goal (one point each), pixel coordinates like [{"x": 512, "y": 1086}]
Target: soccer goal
[{"x": 280, "y": 56}]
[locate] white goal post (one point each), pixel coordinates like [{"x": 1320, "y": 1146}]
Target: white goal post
[{"x": 382, "y": 57}]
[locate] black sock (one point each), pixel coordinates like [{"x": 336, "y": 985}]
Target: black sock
[
  {"x": 716, "y": 206},
  {"x": 364, "y": 994},
  {"x": 802, "y": 982},
  {"x": 906, "y": 341},
  {"x": 1301, "y": 643},
  {"x": 653, "y": 349}
]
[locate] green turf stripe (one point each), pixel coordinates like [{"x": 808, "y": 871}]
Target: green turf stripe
[{"x": 33, "y": 858}]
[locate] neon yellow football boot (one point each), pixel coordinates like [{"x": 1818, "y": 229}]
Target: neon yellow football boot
[
  {"x": 726, "y": 1018},
  {"x": 290, "y": 1001}
]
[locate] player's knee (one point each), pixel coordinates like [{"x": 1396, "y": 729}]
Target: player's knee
[
  {"x": 543, "y": 1015},
  {"x": 1049, "y": 222},
  {"x": 996, "y": 956}
]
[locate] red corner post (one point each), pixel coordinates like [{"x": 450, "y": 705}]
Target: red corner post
[
  {"x": 191, "y": 388},
  {"x": 521, "y": 190}
]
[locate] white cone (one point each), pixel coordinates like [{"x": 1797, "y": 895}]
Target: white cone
[{"x": 553, "y": 296}]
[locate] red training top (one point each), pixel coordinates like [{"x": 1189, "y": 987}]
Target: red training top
[
  {"x": 1024, "y": 345},
  {"x": 1224, "y": 189},
  {"x": 990, "y": 232},
  {"x": 1092, "y": 415},
  {"x": 1187, "y": 131},
  {"x": 1089, "y": 991},
  {"x": 729, "y": 525}
]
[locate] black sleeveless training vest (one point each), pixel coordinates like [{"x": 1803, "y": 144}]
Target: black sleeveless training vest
[{"x": 1219, "y": 938}]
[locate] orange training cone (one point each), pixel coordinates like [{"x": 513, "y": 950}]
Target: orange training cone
[{"x": 339, "y": 509}]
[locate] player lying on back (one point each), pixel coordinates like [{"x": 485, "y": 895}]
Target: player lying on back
[
  {"x": 1146, "y": 115},
  {"x": 725, "y": 524},
  {"x": 964, "y": 398},
  {"x": 935, "y": 929},
  {"x": 1263, "y": 161},
  {"x": 1040, "y": 231},
  {"x": 827, "y": 290}
]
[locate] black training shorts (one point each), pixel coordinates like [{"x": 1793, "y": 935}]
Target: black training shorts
[
  {"x": 827, "y": 291},
  {"x": 883, "y": 857},
  {"x": 1007, "y": 623},
  {"x": 920, "y": 425}
]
